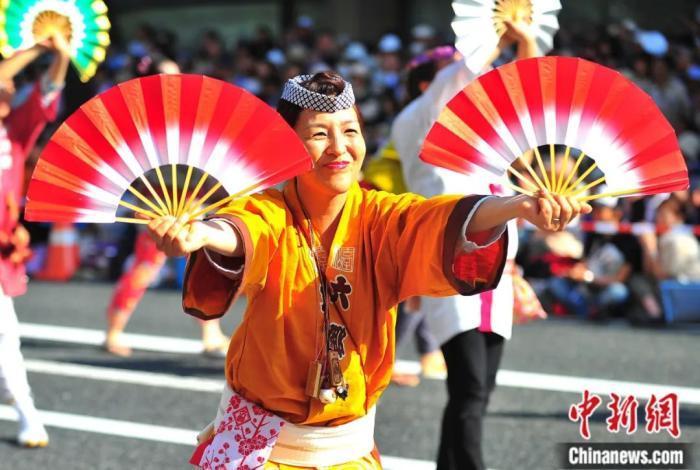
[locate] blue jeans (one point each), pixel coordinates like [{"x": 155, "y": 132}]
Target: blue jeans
[
  {"x": 614, "y": 294},
  {"x": 566, "y": 291},
  {"x": 580, "y": 298}
]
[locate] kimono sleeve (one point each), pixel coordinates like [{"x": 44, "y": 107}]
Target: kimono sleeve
[
  {"x": 209, "y": 289},
  {"x": 423, "y": 250},
  {"x": 26, "y": 122}
]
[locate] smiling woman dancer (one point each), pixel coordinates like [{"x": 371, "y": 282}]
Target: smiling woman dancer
[{"x": 323, "y": 264}]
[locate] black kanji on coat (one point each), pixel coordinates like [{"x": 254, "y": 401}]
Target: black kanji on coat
[
  {"x": 340, "y": 290},
  {"x": 336, "y": 336}
]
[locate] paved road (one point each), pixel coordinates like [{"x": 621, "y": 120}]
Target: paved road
[{"x": 141, "y": 413}]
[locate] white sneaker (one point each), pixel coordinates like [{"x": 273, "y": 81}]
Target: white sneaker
[
  {"x": 32, "y": 432},
  {"x": 32, "y": 435}
]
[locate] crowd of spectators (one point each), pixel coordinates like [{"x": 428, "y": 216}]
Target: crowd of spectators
[{"x": 583, "y": 273}]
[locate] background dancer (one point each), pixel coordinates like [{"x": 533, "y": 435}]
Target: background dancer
[
  {"x": 19, "y": 129},
  {"x": 129, "y": 291},
  {"x": 471, "y": 330}
]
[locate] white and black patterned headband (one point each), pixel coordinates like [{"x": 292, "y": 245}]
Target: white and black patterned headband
[{"x": 307, "y": 99}]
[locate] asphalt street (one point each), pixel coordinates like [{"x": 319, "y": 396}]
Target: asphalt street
[{"x": 141, "y": 413}]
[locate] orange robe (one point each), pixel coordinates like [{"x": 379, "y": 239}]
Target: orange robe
[{"x": 386, "y": 248}]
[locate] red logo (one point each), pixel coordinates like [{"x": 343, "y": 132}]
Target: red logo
[
  {"x": 582, "y": 411},
  {"x": 661, "y": 413},
  {"x": 623, "y": 413}
]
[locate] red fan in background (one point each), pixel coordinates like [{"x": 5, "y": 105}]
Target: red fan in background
[
  {"x": 549, "y": 101},
  {"x": 155, "y": 141}
]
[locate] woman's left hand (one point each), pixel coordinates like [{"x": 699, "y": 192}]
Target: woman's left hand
[{"x": 552, "y": 212}]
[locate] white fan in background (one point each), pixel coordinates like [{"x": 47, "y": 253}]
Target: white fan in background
[{"x": 479, "y": 25}]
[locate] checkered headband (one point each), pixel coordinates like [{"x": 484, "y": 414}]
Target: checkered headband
[{"x": 307, "y": 99}]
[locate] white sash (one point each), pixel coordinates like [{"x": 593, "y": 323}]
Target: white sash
[
  {"x": 285, "y": 442},
  {"x": 321, "y": 446}
]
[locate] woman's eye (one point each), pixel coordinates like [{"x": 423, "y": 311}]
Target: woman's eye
[
  {"x": 351, "y": 131},
  {"x": 318, "y": 134}
]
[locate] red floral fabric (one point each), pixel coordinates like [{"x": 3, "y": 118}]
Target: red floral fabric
[{"x": 243, "y": 439}]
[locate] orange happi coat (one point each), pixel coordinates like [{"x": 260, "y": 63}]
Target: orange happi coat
[{"x": 386, "y": 248}]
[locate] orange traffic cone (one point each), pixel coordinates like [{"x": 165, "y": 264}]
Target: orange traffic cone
[{"x": 62, "y": 255}]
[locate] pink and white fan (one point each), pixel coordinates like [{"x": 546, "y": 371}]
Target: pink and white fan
[
  {"x": 162, "y": 145},
  {"x": 604, "y": 120}
]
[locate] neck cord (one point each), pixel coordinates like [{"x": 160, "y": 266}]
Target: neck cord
[{"x": 325, "y": 299}]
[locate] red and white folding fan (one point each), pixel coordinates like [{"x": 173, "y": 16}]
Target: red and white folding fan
[
  {"x": 549, "y": 101},
  {"x": 479, "y": 25},
  {"x": 148, "y": 131}
]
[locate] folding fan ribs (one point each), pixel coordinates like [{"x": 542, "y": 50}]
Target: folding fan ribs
[
  {"x": 83, "y": 23},
  {"x": 479, "y": 25},
  {"x": 126, "y": 147},
  {"x": 547, "y": 101}
]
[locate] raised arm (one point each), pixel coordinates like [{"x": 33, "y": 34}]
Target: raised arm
[
  {"x": 547, "y": 211},
  {"x": 177, "y": 237},
  {"x": 520, "y": 34},
  {"x": 57, "y": 71},
  {"x": 17, "y": 62},
  {"x": 59, "y": 67}
]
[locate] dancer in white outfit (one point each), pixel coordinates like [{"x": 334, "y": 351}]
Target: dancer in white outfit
[{"x": 471, "y": 330}]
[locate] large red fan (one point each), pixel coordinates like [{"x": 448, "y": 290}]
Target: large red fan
[
  {"x": 143, "y": 138},
  {"x": 548, "y": 101}
]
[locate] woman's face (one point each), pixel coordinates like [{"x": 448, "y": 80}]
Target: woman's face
[
  {"x": 666, "y": 215},
  {"x": 337, "y": 147}
]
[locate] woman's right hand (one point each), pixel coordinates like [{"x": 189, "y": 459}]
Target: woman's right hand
[
  {"x": 58, "y": 43},
  {"x": 178, "y": 236},
  {"x": 517, "y": 31}
]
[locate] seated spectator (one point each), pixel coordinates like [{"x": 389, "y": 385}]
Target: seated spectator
[
  {"x": 596, "y": 287},
  {"x": 547, "y": 259},
  {"x": 668, "y": 91},
  {"x": 676, "y": 254},
  {"x": 689, "y": 201},
  {"x": 609, "y": 280}
]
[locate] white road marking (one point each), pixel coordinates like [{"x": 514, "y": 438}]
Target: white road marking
[
  {"x": 572, "y": 384},
  {"x": 111, "y": 427},
  {"x": 69, "y": 334},
  {"x": 567, "y": 383},
  {"x": 505, "y": 378},
  {"x": 170, "y": 435},
  {"x": 152, "y": 379}
]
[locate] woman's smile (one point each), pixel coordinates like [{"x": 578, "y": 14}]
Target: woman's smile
[{"x": 338, "y": 165}]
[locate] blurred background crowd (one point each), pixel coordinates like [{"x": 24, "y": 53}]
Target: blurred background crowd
[{"x": 599, "y": 269}]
